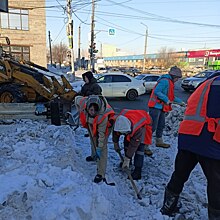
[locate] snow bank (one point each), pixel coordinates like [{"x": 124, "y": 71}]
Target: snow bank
[{"x": 44, "y": 175}]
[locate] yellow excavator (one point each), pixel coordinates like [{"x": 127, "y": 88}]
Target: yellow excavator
[{"x": 24, "y": 81}]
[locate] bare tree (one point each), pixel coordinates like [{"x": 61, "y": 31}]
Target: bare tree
[
  {"x": 167, "y": 57},
  {"x": 59, "y": 53}
]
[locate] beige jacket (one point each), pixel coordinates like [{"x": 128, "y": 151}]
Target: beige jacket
[{"x": 100, "y": 140}]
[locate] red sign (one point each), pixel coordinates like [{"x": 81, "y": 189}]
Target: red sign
[{"x": 203, "y": 53}]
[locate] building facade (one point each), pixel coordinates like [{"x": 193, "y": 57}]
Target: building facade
[
  {"x": 209, "y": 58},
  {"x": 25, "y": 26}
]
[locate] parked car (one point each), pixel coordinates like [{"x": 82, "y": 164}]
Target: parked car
[
  {"x": 101, "y": 70},
  {"x": 150, "y": 80},
  {"x": 98, "y": 75},
  {"x": 132, "y": 71},
  {"x": 191, "y": 83},
  {"x": 216, "y": 73},
  {"x": 117, "y": 84}
]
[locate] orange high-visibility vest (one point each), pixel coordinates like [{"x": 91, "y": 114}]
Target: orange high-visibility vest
[
  {"x": 154, "y": 99},
  {"x": 139, "y": 118},
  {"x": 196, "y": 113},
  {"x": 109, "y": 112},
  {"x": 82, "y": 115}
]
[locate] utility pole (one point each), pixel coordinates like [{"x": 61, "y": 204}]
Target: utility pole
[
  {"x": 79, "y": 43},
  {"x": 101, "y": 49},
  {"x": 145, "y": 46},
  {"x": 92, "y": 63},
  {"x": 70, "y": 35},
  {"x": 51, "y": 62}
]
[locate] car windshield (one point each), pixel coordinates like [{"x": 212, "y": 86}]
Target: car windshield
[
  {"x": 139, "y": 77},
  {"x": 203, "y": 74},
  {"x": 97, "y": 76}
]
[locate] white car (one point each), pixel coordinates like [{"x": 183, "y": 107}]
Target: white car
[
  {"x": 117, "y": 84},
  {"x": 150, "y": 80}
]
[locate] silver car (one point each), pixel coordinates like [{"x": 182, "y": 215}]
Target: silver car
[
  {"x": 150, "y": 80},
  {"x": 191, "y": 83}
]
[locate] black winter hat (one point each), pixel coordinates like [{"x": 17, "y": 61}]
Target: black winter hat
[{"x": 88, "y": 74}]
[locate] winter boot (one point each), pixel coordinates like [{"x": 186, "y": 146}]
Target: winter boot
[
  {"x": 213, "y": 214},
  {"x": 98, "y": 178},
  {"x": 90, "y": 159},
  {"x": 147, "y": 151},
  {"x": 160, "y": 143},
  {"x": 169, "y": 203},
  {"x": 136, "y": 175}
]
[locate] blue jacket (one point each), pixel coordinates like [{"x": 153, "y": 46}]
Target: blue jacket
[
  {"x": 204, "y": 144},
  {"x": 161, "y": 91}
]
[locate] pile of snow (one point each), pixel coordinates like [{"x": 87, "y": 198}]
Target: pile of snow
[
  {"x": 173, "y": 120},
  {"x": 44, "y": 175}
]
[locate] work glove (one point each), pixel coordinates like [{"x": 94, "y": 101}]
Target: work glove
[
  {"x": 169, "y": 102},
  {"x": 183, "y": 104},
  {"x": 98, "y": 152},
  {"x": 126, "y": 163},
  {"x": 116, "y": 147}
]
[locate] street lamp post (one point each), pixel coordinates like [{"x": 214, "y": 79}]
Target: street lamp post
[{"x": 145, "y": 46}]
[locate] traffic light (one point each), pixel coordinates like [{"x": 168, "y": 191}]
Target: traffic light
[{"x": 94, "y": 48}]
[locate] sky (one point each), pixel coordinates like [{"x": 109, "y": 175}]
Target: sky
[
  {"x": 44, "y": 175},
  {"x": 180, "y": 25}
]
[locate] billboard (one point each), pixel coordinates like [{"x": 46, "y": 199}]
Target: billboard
[
  {"x": 3, "y": 5},
  {"x": 203, "y": 53}
]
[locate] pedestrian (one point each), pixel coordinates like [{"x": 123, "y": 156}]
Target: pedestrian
[
  {"x": 91, "y": 86},
  {"x": 160, "y": 102},
  {"x": 198, "y": 142},
  {"x": 96, "y": 116},
  {"x": 135, "y": 125}
]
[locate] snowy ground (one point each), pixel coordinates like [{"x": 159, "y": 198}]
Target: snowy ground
[{"x": 44, "y": 175}]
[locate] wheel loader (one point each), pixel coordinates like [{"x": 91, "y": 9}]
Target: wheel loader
[{"x": 28, "y": 82}]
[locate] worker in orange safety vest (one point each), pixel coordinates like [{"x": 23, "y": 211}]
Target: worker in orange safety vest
[
  {"x": 160, "y": 102},
  {"x": 97, "y": 116},
  {"x": 135, "y": 125},
  {"x": 198, "y": 142}
]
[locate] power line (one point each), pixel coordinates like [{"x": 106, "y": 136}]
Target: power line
[
  {"x": 80, "y": 19},
  {"x": 162, "y": 18},
  {"x": 59, "y": 33},
  {"x": 154, "y": 37}
]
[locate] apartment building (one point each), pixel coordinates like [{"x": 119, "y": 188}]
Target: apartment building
[{"x": 25, "y": 25}]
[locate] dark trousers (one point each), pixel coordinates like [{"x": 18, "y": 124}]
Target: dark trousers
[
  {"x": 139, "y": 154},
  {"x": 158, "y": 121},
  {"x": 185, "y": 163}
]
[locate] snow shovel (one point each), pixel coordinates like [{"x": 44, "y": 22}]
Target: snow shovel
[
  {"x": 128, "y": 172},
  {"x": 97, "y": 157}
]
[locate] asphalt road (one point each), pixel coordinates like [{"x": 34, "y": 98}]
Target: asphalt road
[{"x": 141, "y": 103}]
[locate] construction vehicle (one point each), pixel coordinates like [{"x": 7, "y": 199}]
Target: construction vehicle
[{"x": 24, "y": 81}]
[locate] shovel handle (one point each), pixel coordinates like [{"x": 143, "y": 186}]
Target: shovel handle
[{"x": 128, "y": 172}]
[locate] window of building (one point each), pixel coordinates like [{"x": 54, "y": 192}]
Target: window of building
[
  {"x": 19, "y": 52},
  {"x": 15, "y": 19},
  {"x": 192, "y": 59}
]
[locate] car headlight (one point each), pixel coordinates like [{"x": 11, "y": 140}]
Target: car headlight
[{"x": 195, "y": 83}]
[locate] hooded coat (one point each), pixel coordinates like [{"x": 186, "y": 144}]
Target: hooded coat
[
  {"x": 101, "y": 139},
  {"x": 91, "y": 88},
  {"x": 161, "y": 91}
]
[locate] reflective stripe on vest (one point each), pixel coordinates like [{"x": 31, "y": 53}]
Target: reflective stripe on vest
[
  {"x": 153, "y": 98},
  {"x": 109, "y": 112},
  {"x": 193, "y": 124},
  {"x": 140, "y": 119}
]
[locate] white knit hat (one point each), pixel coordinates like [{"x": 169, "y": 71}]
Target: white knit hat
[{"x": 122, "y": 124}]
